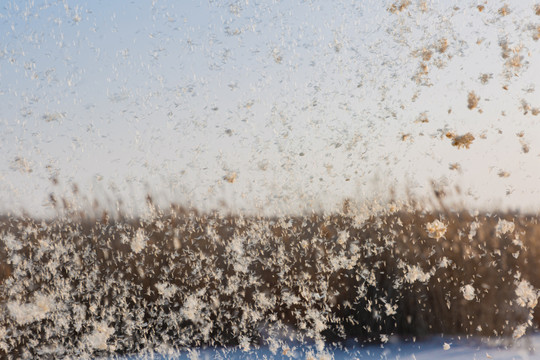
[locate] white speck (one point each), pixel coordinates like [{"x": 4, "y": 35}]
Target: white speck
[
  {"x": 12, "y": 243},
  {"x": 30, "y": 312},
  {"x": 343, "y": 237},
  {"x": 468, "y": 292},
  {"x": 138, "y": 242},
  {"x": 415, "y": 273},
  {"x": 527, "y": 296},
  {"x": 98, "y": 338},
  {"x": 504, "y": 227},
  {"x": 436, "y": 229},
  {"x": 166, "y": 290},
  {"x": 519, "y": 331}
]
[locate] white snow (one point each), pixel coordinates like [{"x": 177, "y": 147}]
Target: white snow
[{"x": 440, "y": 348}]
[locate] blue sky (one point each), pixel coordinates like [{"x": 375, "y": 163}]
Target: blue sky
[{"x": 306, "y": 102}]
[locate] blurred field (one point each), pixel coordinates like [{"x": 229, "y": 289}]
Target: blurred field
[{"x": 176, "y": 278}]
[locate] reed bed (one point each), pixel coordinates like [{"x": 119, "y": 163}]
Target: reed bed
[{"x": 178, "y": 279}]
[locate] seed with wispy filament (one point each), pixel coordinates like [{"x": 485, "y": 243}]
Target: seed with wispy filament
[
  {"x": 472, "y": 100},
  {"x": 462, "y": 140}
]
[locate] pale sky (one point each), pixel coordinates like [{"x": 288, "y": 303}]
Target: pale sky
[{"x": 306, "y": 102}]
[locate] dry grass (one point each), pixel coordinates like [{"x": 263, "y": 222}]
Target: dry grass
[{"x": 178, "y": 278}]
